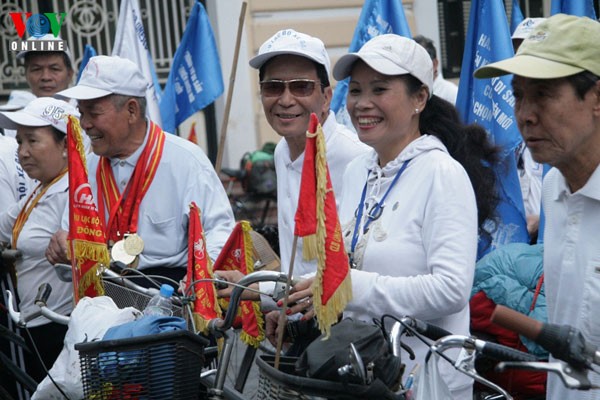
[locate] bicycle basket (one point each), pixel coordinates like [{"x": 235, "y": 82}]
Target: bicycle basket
[
  {"x": 125, "y": 297},
  {"x": 283, "y": 384},
  {"x": 153, "y": 367}
]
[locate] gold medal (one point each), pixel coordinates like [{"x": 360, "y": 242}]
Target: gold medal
[
  {"x": 118, "y": 253},
  {"x": 133, "y": 244}
]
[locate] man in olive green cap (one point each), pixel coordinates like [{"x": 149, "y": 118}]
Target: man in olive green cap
[{"x": 556, "y": 86}]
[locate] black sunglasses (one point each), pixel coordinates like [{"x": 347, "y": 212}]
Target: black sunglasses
[{"x": 297, "y": 87}]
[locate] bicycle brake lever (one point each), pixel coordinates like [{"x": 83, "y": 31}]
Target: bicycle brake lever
[{"x": 573, "y": 378}]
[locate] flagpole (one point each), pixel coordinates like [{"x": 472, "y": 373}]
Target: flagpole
[
  {"x": 236, "y": 54},
  {"x": 283, "y": 309},
  {"x": 74, "y": 273}
]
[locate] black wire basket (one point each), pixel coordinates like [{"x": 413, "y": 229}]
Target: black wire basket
[
  {"x": 284, "y": 384},
  {"x": 162, "y": 366}
]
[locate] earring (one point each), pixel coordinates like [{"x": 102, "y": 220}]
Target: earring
[
  {"x": 416, "y": 110},
  {"x": 64, "y": 154}
]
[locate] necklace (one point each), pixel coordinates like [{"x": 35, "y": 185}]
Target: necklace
[{"x": 373, "y": 214}]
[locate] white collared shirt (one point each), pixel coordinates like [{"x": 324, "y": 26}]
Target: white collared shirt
[
  {"x": 342, "y": 146},
  {"x": 184, "y": 175},
  {"x": 572, "y": 265}
]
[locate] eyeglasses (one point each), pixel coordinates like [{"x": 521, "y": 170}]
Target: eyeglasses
[{"x": 297, "y": 87}]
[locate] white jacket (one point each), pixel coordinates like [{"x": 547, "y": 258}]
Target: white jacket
[{"x": 418, "y": 258}]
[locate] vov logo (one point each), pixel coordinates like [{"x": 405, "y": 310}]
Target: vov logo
[{"x": 38, "y": 25}]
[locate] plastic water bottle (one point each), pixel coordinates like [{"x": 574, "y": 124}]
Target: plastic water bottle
[{"x": 160, "y": 304}]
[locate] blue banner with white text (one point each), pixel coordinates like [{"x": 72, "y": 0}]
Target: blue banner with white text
[
  {"x": 195, "y": 79},
  {"x": 489, "y": 103}
]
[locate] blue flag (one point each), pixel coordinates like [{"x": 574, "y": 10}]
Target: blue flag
[
  {"x": 580, "y": 8},
  {"x": 88, "y": 53},
  {"x": 195, "y": 80},
  {"x": 516, "y": 16},
  {"x": 489, "y": 103},
  {"x": 376, "y": 18}
]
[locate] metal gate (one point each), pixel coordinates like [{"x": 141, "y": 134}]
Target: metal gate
[{"x": 94, "y": 22}]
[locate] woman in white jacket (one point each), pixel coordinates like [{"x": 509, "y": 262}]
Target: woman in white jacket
[{"x": 410, "y": 216}]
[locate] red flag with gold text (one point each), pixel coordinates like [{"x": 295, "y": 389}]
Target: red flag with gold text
[
  {"x": 199, "y": 267},
  {"x": 237, "y": 254},
  {"x": 86, "y": 238},
  {"x": 317, "y": 222}
]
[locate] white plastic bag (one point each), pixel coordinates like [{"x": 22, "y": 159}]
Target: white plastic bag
[
  {"x": 430, "y": 384},
  {"x": 89, "y": 321}
]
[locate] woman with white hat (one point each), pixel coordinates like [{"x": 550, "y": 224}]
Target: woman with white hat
[
  {"x": 409, "y": 213},
  {"x": 28, "y": 225}
]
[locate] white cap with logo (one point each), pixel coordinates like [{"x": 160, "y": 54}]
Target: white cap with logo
[
  {"x": 43, "y": 111},
  {"x": 288, "y": 41},
  {"x": 47, "y": 37},
  {"x": 17, "y": 100},
  {"x": 526, "y": 27},
  {"x": 105, "y": 75},
  {"x": 390, "y": 54}
]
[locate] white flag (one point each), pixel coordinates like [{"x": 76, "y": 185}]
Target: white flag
[{"x": 131, "y": 43}]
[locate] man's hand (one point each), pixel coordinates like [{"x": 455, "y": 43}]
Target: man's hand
[
  {"x": 234, "y": 277},
  {"x": 57, "y": 248},
  {"x": 272, "y": 327}
]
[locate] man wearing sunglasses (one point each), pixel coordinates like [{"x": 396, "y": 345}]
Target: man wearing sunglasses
[{"x": 294, "y": 72}]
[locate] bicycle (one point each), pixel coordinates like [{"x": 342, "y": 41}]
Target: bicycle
[
  {"x": 564, "y": 342},
  {"x": 181, "y": 349}
]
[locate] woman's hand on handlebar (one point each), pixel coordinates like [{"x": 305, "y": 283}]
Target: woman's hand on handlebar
[
  {"x": 301, "y": 299},
  {"x": 234, "y": 277},
  {"x": 56, "y": 252}
]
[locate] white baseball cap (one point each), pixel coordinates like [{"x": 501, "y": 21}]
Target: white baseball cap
[
  {"x": 288, "y": 41},
  {"x": 526, "y": 27},
  {"x": 47, "y": 37},
  {"x": 104, "y": 75},
  {"x": 390, "y": 54},
  {"x": 17, "y": 100},
  {"x": 43, "y": 111}
]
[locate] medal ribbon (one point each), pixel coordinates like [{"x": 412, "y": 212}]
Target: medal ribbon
[
  {"x": 124, "y": 207},
  {"x": 29, "y": 206}
]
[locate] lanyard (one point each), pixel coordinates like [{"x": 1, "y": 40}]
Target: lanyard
[
  {"x": 30, "y": 205},
  {"x": 377, "y": 209},
  {"x": 124, "y": 207}
]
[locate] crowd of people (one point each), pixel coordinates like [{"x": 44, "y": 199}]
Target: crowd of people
[{"x": 415, "y": 187}]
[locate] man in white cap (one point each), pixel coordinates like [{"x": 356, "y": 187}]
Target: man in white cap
[
  {"x": 143, "y": 179},
  {"x": 294, "y": 71},
  {"x": 47, "y": 72},
  {"x": 557, "y": 91}
]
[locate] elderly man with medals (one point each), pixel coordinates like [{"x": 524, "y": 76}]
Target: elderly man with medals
[{"x": 142, "y": 178}]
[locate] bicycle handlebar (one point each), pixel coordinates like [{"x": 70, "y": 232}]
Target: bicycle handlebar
[
  {"x": 493, "y": 350},
  {"x": 219, "y": 325},
  {"x": 21, "y": 319},
  {"x": 562, "y": 341}
]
